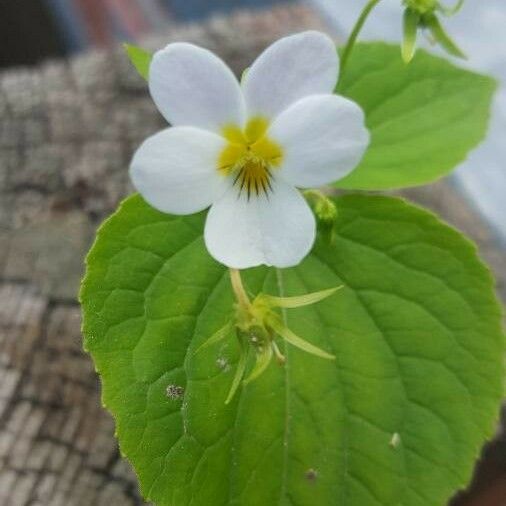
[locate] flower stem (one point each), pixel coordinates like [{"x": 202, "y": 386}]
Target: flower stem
[
  {"x": 238, "y": 287},
  {"x": 356, "y": 30}
]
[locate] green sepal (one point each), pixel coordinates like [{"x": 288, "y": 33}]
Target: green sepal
[
  {"x": 298, "y": 300},
  {"x": 411, "y": 22},
  {"x": 431, "y": 21},
  {"x": 292, "y": 338},
  {"x": 239, "y": 372},
  {"x": 263, "y": 359},
  {"x": 216, "y": 337}
]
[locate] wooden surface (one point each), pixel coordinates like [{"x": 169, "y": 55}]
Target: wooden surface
[{"x": 67, "y": 133}]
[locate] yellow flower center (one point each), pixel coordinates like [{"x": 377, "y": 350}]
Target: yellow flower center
[{"x": 250, "y": 156}]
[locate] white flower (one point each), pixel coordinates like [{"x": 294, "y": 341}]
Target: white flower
[{"x": 244, "y": 149}]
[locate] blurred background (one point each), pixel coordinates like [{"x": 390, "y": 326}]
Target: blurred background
[
  {"x": 39, "y": 29},
  {"x": 72, "y": 111}
]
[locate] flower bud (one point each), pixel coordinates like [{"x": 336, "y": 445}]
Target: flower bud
[
  {"x": 422, "y": 14},
  {"x": 325, "y": 212}
]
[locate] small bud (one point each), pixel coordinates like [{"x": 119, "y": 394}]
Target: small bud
[
  {"x": 325, "y": 212},
  {"x": 422, "y": 15}
]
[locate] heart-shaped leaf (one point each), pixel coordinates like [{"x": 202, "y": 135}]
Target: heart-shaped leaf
[{"x": 397, "y": 419}]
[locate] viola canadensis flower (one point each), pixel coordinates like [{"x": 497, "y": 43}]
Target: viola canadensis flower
[{"x": 246, "y": 149}]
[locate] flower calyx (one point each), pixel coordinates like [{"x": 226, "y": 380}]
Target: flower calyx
[
  {"x": 257, "y": 324},
  {"x": 423, "y": 15}
]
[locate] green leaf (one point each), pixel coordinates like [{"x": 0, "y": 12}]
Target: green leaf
[
  {"x": 398, "y": 418},
  {"x": 140, "y": 58},
  {"x": 424, "y": 117}
]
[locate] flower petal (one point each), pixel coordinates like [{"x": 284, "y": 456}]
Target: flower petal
[
  {"x": 292, "y": 68},
  {"x": 191, "y": 86},
  {"x": 323, "y": 138},
  {"x": 275, "y": 229},
  {"x": 176, "y": 171}
]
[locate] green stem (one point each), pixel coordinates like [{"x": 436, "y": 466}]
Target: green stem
[
  {"x": 356, "y": 30},
  {"x": 237, "y": 286}
]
